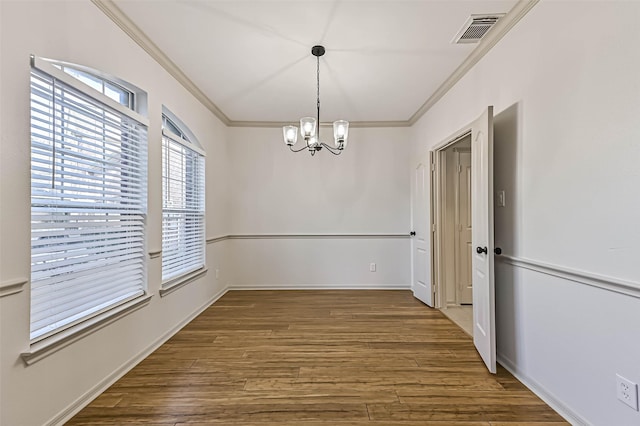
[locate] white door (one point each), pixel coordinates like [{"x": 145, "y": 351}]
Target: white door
[
  {"x": 421, "y": 278},
  {"x": 482, "y": 237},
  {"x": 464, "y": 248}
]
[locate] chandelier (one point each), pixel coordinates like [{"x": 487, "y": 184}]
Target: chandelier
[{"x": 310, "y": 127}]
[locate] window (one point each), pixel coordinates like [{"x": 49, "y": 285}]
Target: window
[
  {"x": 88, "y": 199},
  {"x": 183, "y": 236}
]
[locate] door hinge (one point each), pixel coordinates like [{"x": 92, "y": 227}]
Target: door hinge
[{"x": 459, "y": 168}]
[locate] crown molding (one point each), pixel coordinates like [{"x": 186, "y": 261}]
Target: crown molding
[
  {"x": 352, "y": 124},
  {"x": 109, "y": 8},
  {"x": 502, "y": 27},
  {"x": 495, "y": 34}
]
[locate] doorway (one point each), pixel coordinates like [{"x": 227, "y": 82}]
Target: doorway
[
  {"x": 454, "y": 240},
  {"x": 445, "y": 262}
]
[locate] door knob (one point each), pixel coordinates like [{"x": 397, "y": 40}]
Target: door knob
[
  {"x": 497, "y": 251},
  {"x": 481, "y": 250},
  {"x": 412, "y": 233}
]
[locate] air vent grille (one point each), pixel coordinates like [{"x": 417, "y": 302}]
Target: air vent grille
[{"x": 475, "y": 28}]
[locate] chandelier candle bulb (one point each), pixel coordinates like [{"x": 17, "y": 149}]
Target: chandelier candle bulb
[
  {"x": 308, "y": 127},
  {"x": 341, "y": 133},
  {"x": 290, "y": 135}
]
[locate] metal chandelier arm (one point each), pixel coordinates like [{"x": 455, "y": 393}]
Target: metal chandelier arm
[
  {"x": 334, "y": 151},
  {"x": 297, "y": 150}
]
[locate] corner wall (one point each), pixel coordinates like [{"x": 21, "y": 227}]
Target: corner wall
[
  {"x": 567, "y": 149},
  {"x": 78, "y": 32}
]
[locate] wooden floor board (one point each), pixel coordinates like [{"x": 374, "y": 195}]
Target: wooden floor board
[{"x": 311, "y": 358}]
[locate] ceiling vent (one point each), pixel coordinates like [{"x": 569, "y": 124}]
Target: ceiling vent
[{"x": 476, "y": 27}]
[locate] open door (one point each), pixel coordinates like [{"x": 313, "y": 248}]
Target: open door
[
  {"x": 421, "y": 278},
  {"x": 482, "y": 264}
]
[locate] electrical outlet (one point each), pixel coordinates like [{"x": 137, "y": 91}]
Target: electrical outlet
[
  {"x": 627, "y": 391},
  {"x": 372, "y": 267},
  {"x": 217, "y": 273}
]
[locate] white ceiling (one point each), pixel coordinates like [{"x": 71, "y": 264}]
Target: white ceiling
[{"x": 253, "y": 59}]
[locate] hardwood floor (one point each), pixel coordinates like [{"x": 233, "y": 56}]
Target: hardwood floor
[{"x": 346, "y": 358}]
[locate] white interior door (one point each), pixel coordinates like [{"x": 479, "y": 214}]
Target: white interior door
[
  {"x": 482, "y": 263},
  {"x": 464, "y": 247},
  {"x": 421, "y": 278}
]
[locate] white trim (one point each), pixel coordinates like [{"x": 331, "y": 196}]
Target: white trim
[
  {"x": 187, "y": 144},
  {"x": 406, "y": 286},
  {"x": 113, "y": 12},
  {"x": 352, "y": 124},
  {"x": 13, "y": 286},
  {"x": 242, "y": 287},
  {"x": 555, "y": 403},
  {"x": 628, "y": 288},
  {"x": 98, "y": 389},
  {"x": 54, "y": 343},
  {"x": 173, "y": 284},
  {"x": 314, "y": 236},
  {"x": 303, "y": 236},
  {"x": 46, "y": 66},
  {"x": 217, "y": 239},
  {"x": 495, "y": 34},
  {"x": 437, "y": 205}
]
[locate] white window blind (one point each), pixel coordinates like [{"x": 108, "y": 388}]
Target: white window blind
[
  {"x": 183, "y": 234},
  {"x": 88, "y": 205}
]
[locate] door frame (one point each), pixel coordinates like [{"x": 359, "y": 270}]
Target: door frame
[{"x": 437, "y": 203}]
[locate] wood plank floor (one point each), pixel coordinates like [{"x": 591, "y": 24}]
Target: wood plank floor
[{"x": 346, "y": 358}]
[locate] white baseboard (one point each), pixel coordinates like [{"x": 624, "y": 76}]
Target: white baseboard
[
  {"x": 320, "y": 287},
  {"x": 94, "y": 392},
  {"x": 542, "y": 393}
]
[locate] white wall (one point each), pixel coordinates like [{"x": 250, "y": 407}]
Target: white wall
[
  {"x": 80, "y": 33},
  {"x": 567, "y": 102},
  {"x": 363, "y": 191}
]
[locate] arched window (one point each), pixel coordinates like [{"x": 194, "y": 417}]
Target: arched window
[
  {"x": 183, "y": 222},
  {"x": 88, "y": 196}
]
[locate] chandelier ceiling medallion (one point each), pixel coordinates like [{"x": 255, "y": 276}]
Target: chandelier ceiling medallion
[{"x": 310, "y": 127}]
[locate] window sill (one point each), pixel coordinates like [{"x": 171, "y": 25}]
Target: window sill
[
  {"x": 48, "y": 346},
  {"x": 176, "y": 283}
]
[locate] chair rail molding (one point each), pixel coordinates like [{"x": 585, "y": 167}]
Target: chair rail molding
[
  {"x": 13, "y": 286},
  {"x": 628, "y": 288},
  {"x": 307, "y": 236}
]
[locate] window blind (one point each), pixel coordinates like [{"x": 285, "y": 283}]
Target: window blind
[
  {"x": 183, "y": 233},
  {"x": 88, "y": 205}
]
